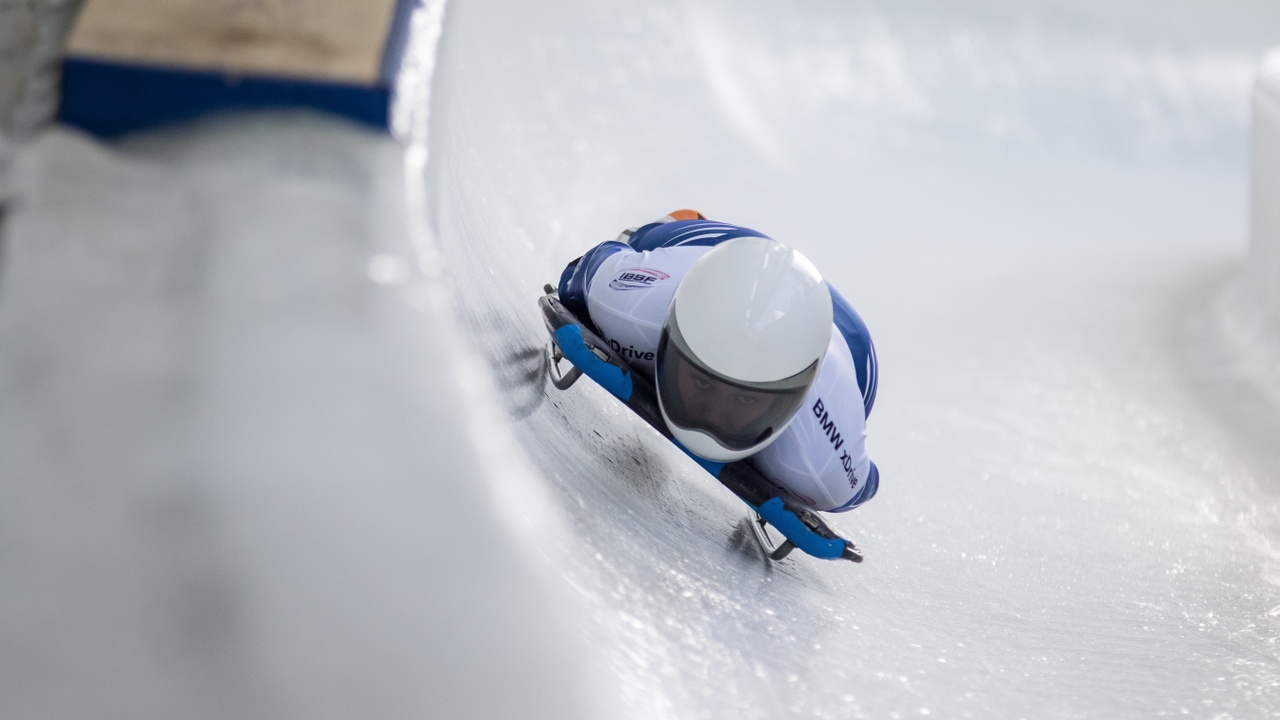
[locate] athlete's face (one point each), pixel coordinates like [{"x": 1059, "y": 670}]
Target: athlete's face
[{"x": 717, "y": 404}]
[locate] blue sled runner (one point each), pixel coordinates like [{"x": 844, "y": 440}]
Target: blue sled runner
[{"x": 773, "y": 516}]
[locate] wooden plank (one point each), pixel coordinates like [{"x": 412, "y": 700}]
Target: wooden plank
[
  {"x": 133, "y": 64},
  {"x": 342, "y": 40}
]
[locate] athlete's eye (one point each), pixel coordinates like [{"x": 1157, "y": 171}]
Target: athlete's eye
[
  {"x": 746, "y": 400},
  {"x": 702, "y": 383}
]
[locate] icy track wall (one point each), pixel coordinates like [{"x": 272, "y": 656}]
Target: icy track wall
[{"x": 238, "y": 469}]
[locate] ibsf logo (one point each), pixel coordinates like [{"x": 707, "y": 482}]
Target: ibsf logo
[{"x": 637, "y": 279}]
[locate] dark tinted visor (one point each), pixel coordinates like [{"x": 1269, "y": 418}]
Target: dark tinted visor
[{"x": 737, "y": 414}]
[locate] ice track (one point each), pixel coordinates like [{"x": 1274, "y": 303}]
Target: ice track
[
  {"x": 1035, "y": 209},
  {"x": 276, "y": 439}
]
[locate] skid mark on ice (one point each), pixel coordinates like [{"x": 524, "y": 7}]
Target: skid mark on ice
[{"x": 522, "y": 376}]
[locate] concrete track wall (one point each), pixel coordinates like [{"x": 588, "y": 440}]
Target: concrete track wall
[
  {"x": 17, "y": 34},
  {"x": 31, "y": 36}
]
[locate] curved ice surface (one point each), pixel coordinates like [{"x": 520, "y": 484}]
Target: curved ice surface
[{"x": 1034, "y": 207}]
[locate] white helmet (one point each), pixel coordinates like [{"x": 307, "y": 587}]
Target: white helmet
[{"x": 744, "y": 337}]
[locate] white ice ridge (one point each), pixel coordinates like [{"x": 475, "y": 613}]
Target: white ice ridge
[
  {"x": 1247, "y": 314},
  {"x": 1265, "y": 214}
]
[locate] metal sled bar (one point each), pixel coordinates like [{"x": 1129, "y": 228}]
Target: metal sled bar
[
  {"x": 760, "y": 529},
  {"x": 562, "y": 380},
  {"x": 782, "y": 550}
]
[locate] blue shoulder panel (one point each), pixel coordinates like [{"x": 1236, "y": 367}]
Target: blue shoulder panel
[
  {"x": 687, "y": 232},
  {"x": 576, "y": 277},
  {"x": 858, "y": 339}
]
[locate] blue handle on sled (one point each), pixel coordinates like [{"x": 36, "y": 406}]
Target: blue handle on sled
[
  {"x": 777, "y": 515},
  {"x": 607, "y": 375}
]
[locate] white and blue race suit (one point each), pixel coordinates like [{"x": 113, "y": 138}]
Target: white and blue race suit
[{"x": 624, "y": 290}]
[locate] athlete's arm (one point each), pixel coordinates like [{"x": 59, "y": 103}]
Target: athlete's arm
[
  {"x": 577, "y": 275},
  {"x": 866, "y": 492}
]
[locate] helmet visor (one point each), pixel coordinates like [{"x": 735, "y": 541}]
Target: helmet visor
[{"x": 737, "y": 414}]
